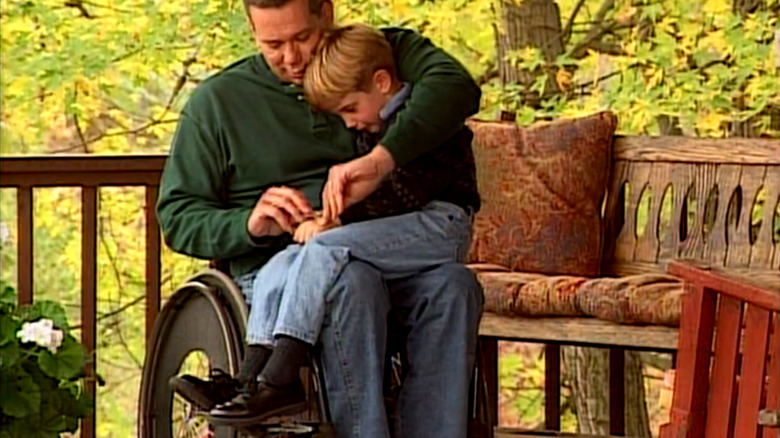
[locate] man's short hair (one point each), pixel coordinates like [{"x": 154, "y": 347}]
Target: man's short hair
[
  {"x": 345, "y": 62},
  {"x": 315, "y": 6}
]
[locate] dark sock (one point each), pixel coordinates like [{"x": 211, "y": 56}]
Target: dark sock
[
  {"x": 254, "y": 361},
  {"x": 285, "y": 362}
]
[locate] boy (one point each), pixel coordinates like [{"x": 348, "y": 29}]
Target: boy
[{"x": 421, "y": 218}]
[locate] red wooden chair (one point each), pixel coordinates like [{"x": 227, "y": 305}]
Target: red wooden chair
[{"x": 727, "y": 382}]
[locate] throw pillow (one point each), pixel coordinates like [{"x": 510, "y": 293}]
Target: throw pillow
[{"x": 542, "y": 188}]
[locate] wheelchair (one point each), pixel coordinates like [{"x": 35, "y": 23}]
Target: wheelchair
[{"x": 206, "y": 316}]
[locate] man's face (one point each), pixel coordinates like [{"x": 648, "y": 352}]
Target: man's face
[
  {"x": 360, "y": 109},
  {"x": 288, "y": 35}
]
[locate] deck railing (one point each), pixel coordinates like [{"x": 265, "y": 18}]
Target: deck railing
[{"x": 88, "y": 172}]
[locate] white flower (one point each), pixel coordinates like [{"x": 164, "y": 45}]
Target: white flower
[
  {"x": 43, "y": 333},
  {"x": 5, "y": 234}
]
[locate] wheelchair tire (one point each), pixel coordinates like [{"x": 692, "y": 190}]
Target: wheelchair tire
[{"x": 207, "y": 313}]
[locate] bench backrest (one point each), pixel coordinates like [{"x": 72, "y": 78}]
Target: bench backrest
[{"x": 714, "y": 200}]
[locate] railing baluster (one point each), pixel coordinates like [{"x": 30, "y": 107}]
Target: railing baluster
[
  {"x": 152, "y": 260},
  {"x": 617, "y": 397},
  {"x": 24, "y": 263},
  {"x": 552, "y": 387},
  {"x": 89, "y": 293},
  {"x": 720, "y": 403}
]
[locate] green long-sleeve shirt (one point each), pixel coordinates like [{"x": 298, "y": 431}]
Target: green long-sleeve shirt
[{"x": 243, "y": 131}]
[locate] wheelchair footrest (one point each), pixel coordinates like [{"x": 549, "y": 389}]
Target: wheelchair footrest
[{"x": 285, "y": 430}]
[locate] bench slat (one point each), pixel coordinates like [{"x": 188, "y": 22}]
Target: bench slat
[
  {"x": 502, "y": 432},
  {"x": 697, "y": 150},
  {"x": 754, "y": 355},
  {"x": 724, "y": 372},
  {"x": 716, "y": 247},
  {"x": 761, "y": 253},
  {"x": 738, "y": 235},
  {"x": 579, "y": 331},
  {"x": 705, "y": 176},
  {"x": 683, "y": 179},
  {"x": 648, "y": 244},
  {"x": 773, "y": 386},
  {"x": 766, "y": 278}
]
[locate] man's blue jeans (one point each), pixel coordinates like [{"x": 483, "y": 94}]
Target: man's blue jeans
[
  {"x": 288, "y": 293},
  {"x": 354, "y": 276}
]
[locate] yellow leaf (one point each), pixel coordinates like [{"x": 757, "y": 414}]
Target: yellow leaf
[
  {"x": 709, "y": 123},
  {"x": 563, "y": 78},
  {"x": 716, "y": 41}
]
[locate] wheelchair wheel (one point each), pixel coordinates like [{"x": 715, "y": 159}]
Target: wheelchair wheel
[{"x": 204, "y": 319}]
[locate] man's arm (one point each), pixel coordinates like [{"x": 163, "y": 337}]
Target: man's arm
[
  {"x": 192, "y": 215},
  {"x": 192, "y": 208},
  {"x": 443, "y": 95}
]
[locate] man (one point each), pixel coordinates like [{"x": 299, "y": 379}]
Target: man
[{"x": 248, "y": 163}]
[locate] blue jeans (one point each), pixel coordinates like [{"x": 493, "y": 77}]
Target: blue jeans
[
  {"x": 339, "y": 288},
  {"x": 288, "y": 293}
]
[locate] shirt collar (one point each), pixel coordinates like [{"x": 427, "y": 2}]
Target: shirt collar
[{"x": 395, "y": 102}]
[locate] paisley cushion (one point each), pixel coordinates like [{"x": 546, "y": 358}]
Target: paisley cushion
[{"x": 542, "y": 189}]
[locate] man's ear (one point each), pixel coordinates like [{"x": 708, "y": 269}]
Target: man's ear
[
  {"x": 383, "y": 81},
  {"x": 326, "y": 12}
]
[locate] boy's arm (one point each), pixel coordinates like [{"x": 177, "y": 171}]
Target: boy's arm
[{"x": 443, "y": 95}]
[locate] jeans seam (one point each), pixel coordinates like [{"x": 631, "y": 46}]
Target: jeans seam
[{"x": 343, "y": 362}]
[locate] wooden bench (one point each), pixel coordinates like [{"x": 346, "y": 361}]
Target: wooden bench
[{"x": 715, "y": 189}]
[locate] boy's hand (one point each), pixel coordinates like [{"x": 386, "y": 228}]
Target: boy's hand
[
  {"x": 310, "y": 228},
  {"x": 306, "y": 230},
  {"x": 351, "y": 182}
]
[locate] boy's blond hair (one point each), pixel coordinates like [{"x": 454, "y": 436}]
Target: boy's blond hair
[{"x": 345, "y": 62}]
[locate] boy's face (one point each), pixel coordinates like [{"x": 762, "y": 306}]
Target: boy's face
[{"x": 360, "y": 109}]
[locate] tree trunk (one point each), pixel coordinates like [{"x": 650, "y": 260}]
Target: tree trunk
[
  {"x": 530, "y": 23},
  {"x": 749, "y": 127},
  {"x": 587, "y": 370},
  {"x": 636, "y": 418}
]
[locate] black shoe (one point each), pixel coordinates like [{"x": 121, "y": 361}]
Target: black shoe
[
  {"x": 253, "y": 406},
  {"x": 205, "y": 394}
]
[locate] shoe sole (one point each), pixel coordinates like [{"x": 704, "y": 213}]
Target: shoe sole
[
  {"x": 257, "y": 419},
  {"x": 188, "y": 392}
]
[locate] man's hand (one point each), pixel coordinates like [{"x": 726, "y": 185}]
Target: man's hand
[
  {"x": 351, "y": 182},
  {"x": 279, "y": 210}
]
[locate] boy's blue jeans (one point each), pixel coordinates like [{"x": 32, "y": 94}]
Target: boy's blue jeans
[{"x": 339, "y": 288}]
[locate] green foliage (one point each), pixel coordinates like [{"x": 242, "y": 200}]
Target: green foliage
[
  {"x": 699, "y": 63},
  {"x": 41, "y": 389}
]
